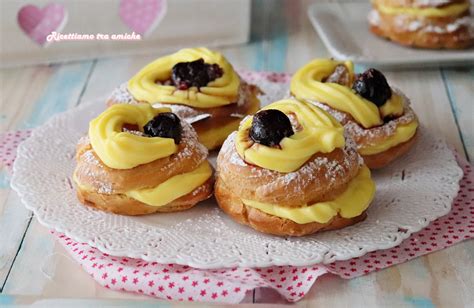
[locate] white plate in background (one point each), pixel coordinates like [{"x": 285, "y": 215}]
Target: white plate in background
[{"x": 344, "y": 30}]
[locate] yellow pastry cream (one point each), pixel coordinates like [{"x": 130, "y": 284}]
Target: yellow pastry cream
[
  {"x": 454, "y": 9},
  {"x": 308, "y": 84},
  {"x": 212, "y": 138},
  {"x": 150, "y": 84},
  {"x": 173, "y": 188},
  {"x": 393, "y": 107},
  {"x": 402, "y": 134},
  {"x": 120, "y": 149},
  {"x": 351, "y": 203},
  {"x": 317, "y": 131}
]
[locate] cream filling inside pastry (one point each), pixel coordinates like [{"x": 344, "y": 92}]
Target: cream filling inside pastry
[
  {"x": 393, "y": 107},
  {"x": 402, "y": 134},
  {"x": 214, "y": 137},
  {"x": 351, "y": 203},
  {"x": 172, "y": 189}
]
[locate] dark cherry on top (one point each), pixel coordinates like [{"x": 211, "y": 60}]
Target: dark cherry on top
[
  {"x": 269, "y": 127},
  {"x": 185, "y": 75},
  {"x": 372, "y": 86},
  {"x": 166, "y": 125}
]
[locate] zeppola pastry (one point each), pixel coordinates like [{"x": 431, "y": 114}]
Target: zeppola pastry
[
  {"x": 424, "y": 23},
  {"x": 200, "y": 86},
  {"x": 377, "y": 117},
  {"x": 290, "y": 171},
  {"x": 139, "y": 160}
]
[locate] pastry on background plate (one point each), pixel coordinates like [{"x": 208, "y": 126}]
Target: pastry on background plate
[
  {"x": 139, "y": 160},
  {"x": 290, "y": 171},
  {"x": 426, "y": 24},
  {"x": 377, "y": 117},
  {"x": 200, "y": 86}
]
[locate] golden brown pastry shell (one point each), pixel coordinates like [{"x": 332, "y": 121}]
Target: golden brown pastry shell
[
  {"x": 232, "y": 205},
  {"x": 123, "y": 205},
  {"x": 364, "y": 137},
  {"x": 92, "y": 172},
  {"x": 323, "y": 177},
  {"x": 104, "y": 188},
  {"x": 397, "y": 29}
]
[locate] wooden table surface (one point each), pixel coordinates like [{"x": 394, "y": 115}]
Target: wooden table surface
[{"x": 34, "y": 267}]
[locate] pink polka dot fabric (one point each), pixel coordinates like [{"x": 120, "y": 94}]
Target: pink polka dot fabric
[
  {"x": 183, "y": 283},
  {"x": 8, "y": 143}
]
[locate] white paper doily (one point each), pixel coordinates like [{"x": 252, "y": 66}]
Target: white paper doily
[{"x": 410, "y": 193}]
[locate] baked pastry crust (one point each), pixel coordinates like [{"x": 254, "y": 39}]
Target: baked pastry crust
[
  {"x": 123, "y": 205},
  {"x": 232, "y": 205},
  {"x": 450, "y": 32},
  {"x": 367, "y": 136},
  {"x": 380, "y": 160},
  {"x": 322, "y": 178},
  {"x": 104, "y": 188},
  {"x": 392, "y": 130}
]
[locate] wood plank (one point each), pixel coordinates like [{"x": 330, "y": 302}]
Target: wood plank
[
  {"x": 435, "y": 280},
  {"x": 304, "y": 43},
  {"x": 20, "y": 89},
  {"x": 44, "y": 268},
  {"x": 29, "y": 96},
  {"x": 32, "y": 95},
  {"x": 460, "y": 88},
  {"x": 14, "y": 220}
]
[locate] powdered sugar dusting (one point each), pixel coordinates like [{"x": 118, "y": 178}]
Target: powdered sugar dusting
[
  {"x": 120, "y": 95},
  {"x": 374, "y": 18},
  {"x": 228, "y": 148},
  {"x": 191, "y": 145},
  {"x": 297, "y": 181},
  {"x": 95, "y": 173},
  {"x": 198, "y": 190},
  {"x": 407, "y": 23},
  {"x": 353, "y": 129}
]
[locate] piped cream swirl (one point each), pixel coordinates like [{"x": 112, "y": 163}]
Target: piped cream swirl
[
  {"x": 148, "y": 85},
  {"x": 317, "y": 131},
  {"x": 120, "y": 149}
]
